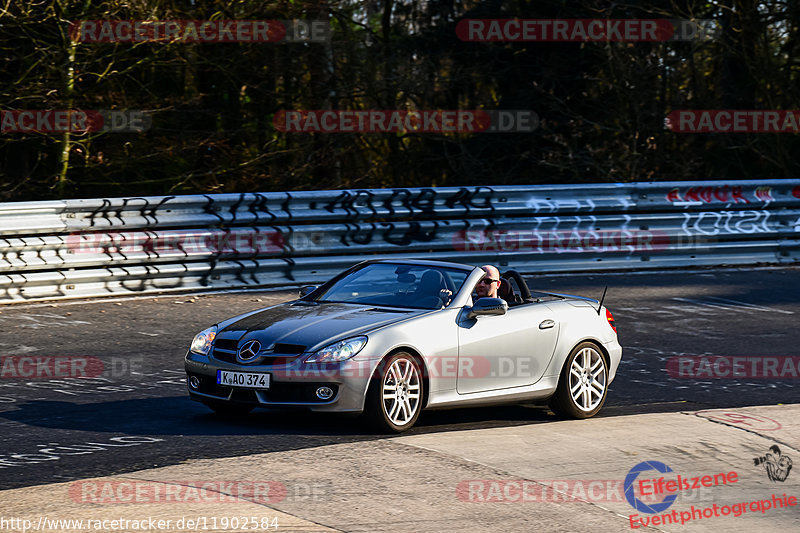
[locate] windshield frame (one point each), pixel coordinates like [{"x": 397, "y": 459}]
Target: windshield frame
[{"x": 318, "y": 295}]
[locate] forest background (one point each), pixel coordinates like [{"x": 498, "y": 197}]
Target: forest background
[{"x": 602, "y": 105}]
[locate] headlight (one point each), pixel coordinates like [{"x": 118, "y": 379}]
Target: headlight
[
  {"x": 340, "y": 351},
  {"x": 203, "y": 340}
]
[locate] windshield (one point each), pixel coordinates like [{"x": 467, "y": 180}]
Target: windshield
[{"x": 394, "y": 285}]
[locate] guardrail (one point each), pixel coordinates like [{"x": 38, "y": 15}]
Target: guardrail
[{"x": 95, "y": 247}]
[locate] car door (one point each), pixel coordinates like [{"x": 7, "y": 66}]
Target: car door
[{"x": 510, "y": 350}]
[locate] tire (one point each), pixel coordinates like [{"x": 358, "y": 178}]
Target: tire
[
  {"x": 228, "y": 409},
  {"x": 583, "y": 383},
  {"x": 394, "y": 397}
]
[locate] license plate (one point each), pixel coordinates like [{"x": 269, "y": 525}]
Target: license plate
[{"x": 248, "y": 380}]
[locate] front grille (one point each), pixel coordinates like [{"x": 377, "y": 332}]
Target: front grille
[
  {"x": 230, "y": 357},
  {"x": 226, "y": 344},
  {"x": 222, "y": 355},
  {"x": 281, "y": 354}
]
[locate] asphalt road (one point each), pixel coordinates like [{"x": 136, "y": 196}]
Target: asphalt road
[{"x": 136, "y": 414}]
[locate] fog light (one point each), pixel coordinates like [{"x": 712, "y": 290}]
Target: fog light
[
  {"x": 324, "y": 393},
  {"x": 194, "y": 382}
]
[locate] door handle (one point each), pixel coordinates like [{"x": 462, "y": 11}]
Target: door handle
[{"x": 547, "y": 324}]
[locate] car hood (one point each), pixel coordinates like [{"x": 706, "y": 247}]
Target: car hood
[{"x": 298, "y": 327}]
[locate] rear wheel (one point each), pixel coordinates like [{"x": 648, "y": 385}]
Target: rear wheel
[
  {"x": 583, "y": 384},
  {"x": 394, "y": 398}
]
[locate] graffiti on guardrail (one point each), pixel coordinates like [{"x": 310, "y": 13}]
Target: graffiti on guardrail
[
  {"x": 538, "y": 204},
  {"x": 395, "y": 234},
  {"x": 548, "y": 234},
  {"x": 275, "y": 207},
  {"x": 152, "y": 244},
  {"x": 764, "y": 194},
  {"x": 726, "y": 194},
  {"x": 700, "y": 195},
  {"x": 727, "y": 222},
  {"x": 425, "y": 201}
]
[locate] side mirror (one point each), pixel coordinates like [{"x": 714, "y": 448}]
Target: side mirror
[
  {"x": 488, "y": 306},
  {"x": 308, "y": 289}
]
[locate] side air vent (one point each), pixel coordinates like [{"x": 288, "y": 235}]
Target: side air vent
[
  {"x": 293, "y": 349},
  {"x": 226, "y": 344}
]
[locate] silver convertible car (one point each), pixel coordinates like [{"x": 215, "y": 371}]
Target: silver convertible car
[{"x": 390, "y": 338}]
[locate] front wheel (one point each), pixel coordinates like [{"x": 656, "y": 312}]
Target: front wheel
[
  {"x": 583, "y": 384},
  {"x": 394, "y": 398}
]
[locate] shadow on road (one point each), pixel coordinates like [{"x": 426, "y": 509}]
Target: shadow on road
[{"x": 179, "y": 416}]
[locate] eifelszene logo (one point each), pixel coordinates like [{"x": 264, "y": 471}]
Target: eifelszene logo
[
  {"x": 629, "y": 485},
  {"x": 680, "y": 484},
  {"x": 776, "y": 464}
]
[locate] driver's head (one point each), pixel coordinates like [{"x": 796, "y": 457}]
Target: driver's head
[{"x": 490, "y": 282}]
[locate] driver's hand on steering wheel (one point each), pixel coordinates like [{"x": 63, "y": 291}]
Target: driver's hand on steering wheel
[{"x": 446, "y": 295}]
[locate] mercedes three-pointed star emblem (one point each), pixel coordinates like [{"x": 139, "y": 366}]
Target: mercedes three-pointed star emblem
[{"x": 249, "y": 351}]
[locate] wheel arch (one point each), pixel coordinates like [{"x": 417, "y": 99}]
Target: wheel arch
[
  {"x": 601, "y": 348},
  {"x": 420, "y": 361},
  {"x": 597, "y": 344},
  {"x": 561, "y": 355},
  {"x": 562, "y": 402}
]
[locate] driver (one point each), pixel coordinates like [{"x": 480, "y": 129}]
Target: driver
[{"x": 488, "y": 286}]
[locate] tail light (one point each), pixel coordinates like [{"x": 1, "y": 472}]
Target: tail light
[{"x": 610, "y": 319}]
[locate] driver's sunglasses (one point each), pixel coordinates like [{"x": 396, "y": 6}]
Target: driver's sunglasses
[{"x": 488, "y": 281}]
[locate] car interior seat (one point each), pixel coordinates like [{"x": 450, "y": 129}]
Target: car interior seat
[
  {"x": 511, "y": 278},
  {"x": 507, "y": 293},
  {"x": 427, "y": 292}
]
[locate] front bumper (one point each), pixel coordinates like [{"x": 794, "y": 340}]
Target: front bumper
[{"x": 292, "y": 384}]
